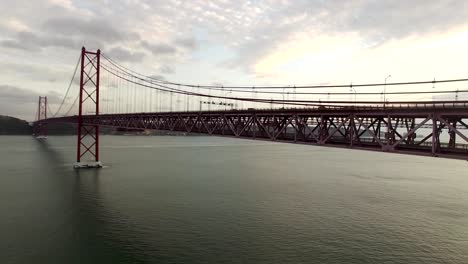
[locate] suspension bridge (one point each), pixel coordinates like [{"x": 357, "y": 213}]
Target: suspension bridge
[{"x": 419, "y": 119}]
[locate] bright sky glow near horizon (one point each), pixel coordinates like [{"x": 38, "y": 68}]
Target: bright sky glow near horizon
[{"x": 280, "y": 42}]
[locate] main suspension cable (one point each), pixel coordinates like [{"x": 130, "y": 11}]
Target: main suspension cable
[
  {"x": 224, "y": 87},
  {"x": 68, "y": 89},
  {"x": 164, "y": 88}
]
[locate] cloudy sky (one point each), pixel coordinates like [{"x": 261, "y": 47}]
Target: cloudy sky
[{"x": 230, "y": 42}]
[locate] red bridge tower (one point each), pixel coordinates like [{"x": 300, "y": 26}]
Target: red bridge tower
[
  {"x": 40, "y": 128},
  {"x": 88, "y": 134}
]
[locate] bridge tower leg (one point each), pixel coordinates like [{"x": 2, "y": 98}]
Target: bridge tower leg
[
  {"x": 88, "y": 134},
  {"x": 40, "y": 128}
]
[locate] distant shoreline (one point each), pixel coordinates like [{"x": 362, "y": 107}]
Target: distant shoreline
[
  {"x": 14, "y": 126},
  {"x": 11, "y": 126}
]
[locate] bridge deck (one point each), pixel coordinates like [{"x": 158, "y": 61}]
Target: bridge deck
[{"x": 436, "y": 129}]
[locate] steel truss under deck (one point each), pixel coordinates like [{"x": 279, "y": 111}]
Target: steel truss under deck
[{"x": 437, "y": 130}]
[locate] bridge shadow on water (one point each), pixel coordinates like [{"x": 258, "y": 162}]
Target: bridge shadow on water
[{"x": 85, "y": 228}]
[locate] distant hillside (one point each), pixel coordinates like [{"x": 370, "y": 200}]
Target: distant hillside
[{"x": 14, "y": 126}]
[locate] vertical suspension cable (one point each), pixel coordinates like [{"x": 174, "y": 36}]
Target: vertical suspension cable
[
  {"x": 157, "y": 101},
  {"x": 135, "y": 95},
  {"x": 160, "y": 100},
  {"x": 210, "y": 100},
  {"x": 119, "y": 96},
  {"x": 170, "y": 102},
  {"x": 114, "y": 87},
  {"x": 187, "y": 101},
  {"x": 126, "y": 97},
  {"x": 253, "y": 94},
  {"x": 150, "y": 100},
  {"x": 105, "y": 94}
]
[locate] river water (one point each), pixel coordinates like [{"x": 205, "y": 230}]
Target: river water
[{"x": 222, "y": 200}]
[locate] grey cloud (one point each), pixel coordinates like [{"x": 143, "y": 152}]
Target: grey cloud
[
  {"x": 93, "y": 28},
  {"x": 21, "y": 102},
  {"x": 122, "y": 54},
  {"x": 250, "y": 29},
  {"x": 15, "y": 44},
  {"x": 32, "y": 42},
  {"x": 173, "y": 49},
  {"x": 187, "y": 42},
  {"x": 24, "y": 41},
  {"x": 70, "y": 33},
  {"x": 17, "y": 95},
  {"x": 34, "y": 72},
  {"x": 383, "y": 20},
  {"x": 254, "y": 34},
  {"x": 160, "y": 49},
  {"x": 166, "y": 69}
]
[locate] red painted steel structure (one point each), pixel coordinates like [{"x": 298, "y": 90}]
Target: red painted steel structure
[
  {"x": 411, "y": 129},
  {"x": 407, "y": 127},
  {"x": 88, "y": 134},
  {"x": 40, "y": 130}
]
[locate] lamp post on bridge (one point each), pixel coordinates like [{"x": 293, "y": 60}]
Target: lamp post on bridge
[
  {"x": 226, "y": 104},
  {"x": 355, "y": 93},
  {"x": 385, "y": 88}
]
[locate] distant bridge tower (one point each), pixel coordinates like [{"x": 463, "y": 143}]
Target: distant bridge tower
[
  {"x": 40, "y": 128},
  {"x": 88, "y": 134}
]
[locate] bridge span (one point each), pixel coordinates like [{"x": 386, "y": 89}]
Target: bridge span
[
  {"x": 418, "y": 124},
  {"x": 437, "y": 129}
]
